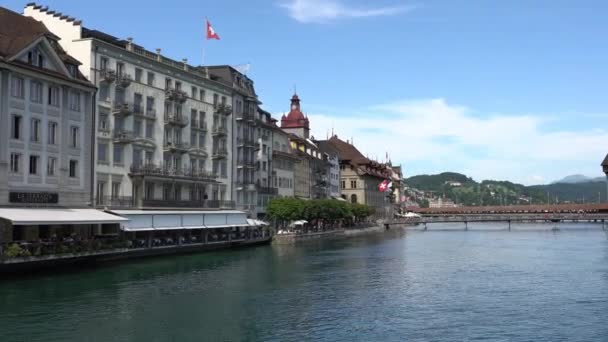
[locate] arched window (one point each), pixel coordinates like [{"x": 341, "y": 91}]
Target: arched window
[{"x": 353, "y": 198}]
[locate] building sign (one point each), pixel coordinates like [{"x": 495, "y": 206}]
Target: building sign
[{"x": 33, "y": 197}]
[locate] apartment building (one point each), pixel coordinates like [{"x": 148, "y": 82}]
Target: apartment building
[
  {"x": 284, "y": 160},
  {"x": 163, "y": 134},
  {"x": 332, "y": 168},
  {"x": 244, "y": 140},
  {"x": 46, "y": 118},
  {"x": 264, "y": 176}
]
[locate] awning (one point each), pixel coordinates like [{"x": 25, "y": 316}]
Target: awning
[
  {"x": 51, "y": 216},
  {"x": 256, "y": 223},
  {"x": 143, "y": 220}
]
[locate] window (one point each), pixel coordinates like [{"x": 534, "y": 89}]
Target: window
[
  {"x": 16, "y": 127},
  {"x": 34, "y": 164},
  {"x": 353, "y": 198},
  {"x": 103, "y": 122},
  {"x": 149, "y": 130},
  {"x": 353, "y": 185},
  {"x": 263, "y": 166},
  {"x": 73, "y": 168},
  {"x": 137, "y": 128},
  {"x": 120, "y": 69},
  {"x": 138, "y": 73},
  {"x": 72, "y": 69},
  {"x": 151, "y": 79},
  {"x": 74, "y": 100},
  {"x": 149, "y": 155},
  {"x": 223, "y": 100},
  {"x": 201, "y": 95},
  {"x": 53, "y": 99},
  {"x": 149, "y": 104},
  {"x": 15, "y": 162},
  {"x": 74, "y": 138},
  {"x": 115, "y": 189},
  {"x": 35, "y": 58},
  {"x": 149, "y": 190},
  {"x": 102, "y": 152},
  {"x": 343, "y": 184},
  {"x": 193, "y": 138},
  {"x": 215, "y": 99},
  {"x": 194, "y": 92},
  {"x": 103, "y": 63},
  {"x": 36, "y": 92},
  {"x": 117, "y": 154},
  {"x": 35, "y": 130},
  {"x": 104, "y": 92},
  {"x": 167, "y": 83},
  {"x": 17, "y": 87},
  {"x": 178, "y": 85},
  {"x": 51, "y": 166}
]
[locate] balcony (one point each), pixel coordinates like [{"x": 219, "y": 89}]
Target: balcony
[
  {"x": 123, "y": 80},
  {"x": 197, "y": 151},
  {"x": 107, "y": 75},
  {"x": 198, "y": 125},
  {"x": 245, "y": 142},
  {"x": 202, "y": 204},
  {"x": 219, "y": 154},
  {"x": 176, "y": 119},
  {"x": 222, "y": 108},
  {"x": 175, "y": 95},
  {"x": 267, "y": 190},
  {"x": 219, "y": 131},
  {"x": 145, "y": 114},
  {"x": 160, "y": 171},
  {"x": 115, "y": 201},
  {"x": 122, "y": 108},
  {"x": 123, "y": 137},
  {"x": 180, "y": 147},
  {"x": 245, "y": 117}
]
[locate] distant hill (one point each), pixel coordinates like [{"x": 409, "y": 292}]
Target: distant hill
[
  {"x": 466, "y": 191},
  {"x": 573, "y": 179}
]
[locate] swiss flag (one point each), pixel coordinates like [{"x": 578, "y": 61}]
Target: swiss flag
[
  {"x": 211, "y": 34},
  {"x": 383, "y": 186}
]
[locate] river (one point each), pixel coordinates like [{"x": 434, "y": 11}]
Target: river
[{"x": 528, "y": 284}]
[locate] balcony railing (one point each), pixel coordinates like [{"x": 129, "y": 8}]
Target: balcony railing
[
  {"x": 122, "y": 108},
  {"x": 245, "y": 116},
  {"x": 220, "y": 154},
  {"x": 115, "y": 201},
  {"x": 107, "y": 75},
  {"x": 176, "y": 95},
  {"x": 219, "y": 130},
  {"x": 199, "y": 151},
  {"x": 199, "y": 125},
  {"x": 172, "y": 146},
  {"x": 138, "y": 109},
  {"x": 123, "y": 137},
  {"x": 267, "y": 190},
  {"x": 149, "y": 113},
  {"x": 176, "y": 119},
  {"x": 202, "y": 204},
  {"x": 222, "y": 108},
  {"x": 123, "y": 80},
  {"x": 170, "y": 172}
]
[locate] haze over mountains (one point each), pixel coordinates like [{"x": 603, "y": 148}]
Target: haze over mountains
[{"x": 573, "y": 179}]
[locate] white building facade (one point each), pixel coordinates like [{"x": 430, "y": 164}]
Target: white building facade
[
  {"x": 163, "y": 128},
  {"x": 45, "y": 120}
]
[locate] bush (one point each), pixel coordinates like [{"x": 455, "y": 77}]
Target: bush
[{"x": 13, "y": 251}]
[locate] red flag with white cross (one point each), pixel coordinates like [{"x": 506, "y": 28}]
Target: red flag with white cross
[{"x": 211, "y": 34}]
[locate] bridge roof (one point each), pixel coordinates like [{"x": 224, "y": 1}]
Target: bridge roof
[{"x": 600, "y": 207}]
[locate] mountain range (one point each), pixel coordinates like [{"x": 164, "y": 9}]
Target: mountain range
[{"x": 464, "y": 190}]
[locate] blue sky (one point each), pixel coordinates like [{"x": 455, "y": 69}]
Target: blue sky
[{"x": 495, "y": 89}]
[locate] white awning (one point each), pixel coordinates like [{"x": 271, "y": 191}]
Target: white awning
[
  {"x": 256, "y": 223},
  {"x": 51, "y": 216},
  {"x": 143, "y": 220}
]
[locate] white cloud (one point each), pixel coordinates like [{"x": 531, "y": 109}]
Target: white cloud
[
  {"x": 431, "y": 136},
  {"x": 308, "y": 11}
]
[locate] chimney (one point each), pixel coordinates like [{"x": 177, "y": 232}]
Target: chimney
[
  {"x": 129, "y": 43},
  {"x": 158, "y": 56},
  {"x": 185, "y": 62}
]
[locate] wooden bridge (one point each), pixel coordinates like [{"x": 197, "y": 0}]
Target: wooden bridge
[{"x": 507, "y": 218}]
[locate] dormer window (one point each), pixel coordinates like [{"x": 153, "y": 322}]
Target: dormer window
[
  {"x": 35, "y": 58},
  {"x": 72, "y": 69}
]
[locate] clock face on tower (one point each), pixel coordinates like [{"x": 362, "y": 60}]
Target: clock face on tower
[{"x": 294, "y": 107}]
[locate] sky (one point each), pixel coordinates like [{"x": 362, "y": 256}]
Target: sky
[{"x": 507, "y": 90}]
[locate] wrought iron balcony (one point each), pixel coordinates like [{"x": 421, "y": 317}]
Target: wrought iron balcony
[
  {"x": 171, "y": 146},
  {"x": 122, "y": 108},
  {"x": 175, "y": 119},
  {"x": 149, "y": 113},
  {"x": 245, "y": 117},
  {"x": 123, "y": 80},
  {"x": 107, "y": 75},
  {"x": 219, "y": 154},
  {"x": 138, "y": 109},
  {"x": 198, "y": 151},
  {"x": 123, "y": 137},
  {"x": 160, "y": 171},
  {"x": 222, "y": 108},
  {"x": 219, "y": 131},
  {"x": 198, "y": 125},
  {"x": 176, "y": 95}
]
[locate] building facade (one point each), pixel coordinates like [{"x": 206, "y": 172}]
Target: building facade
[
  {"x": 284, "y": 163},
  {"x": 46, "y": 118},
  {"x": 265, "y": 161},
  {"x": 244, "y": 140},
  {"x": 163, "y": 136},
  {"x": 332, "y": 157},
  {"x": 360, "y": 178}
]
